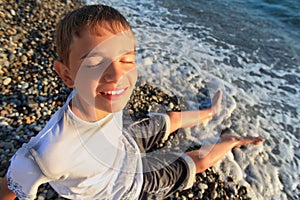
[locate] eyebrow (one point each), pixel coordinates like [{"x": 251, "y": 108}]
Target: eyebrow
[
  {"x": 91, "y": 54},
  {"x": 128, "y": 52}
]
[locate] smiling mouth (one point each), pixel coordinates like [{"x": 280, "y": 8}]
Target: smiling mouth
[{"x": 113, "y": 94}]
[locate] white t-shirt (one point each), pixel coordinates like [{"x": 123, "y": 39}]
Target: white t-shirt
[{"x": 79, "y": 159}]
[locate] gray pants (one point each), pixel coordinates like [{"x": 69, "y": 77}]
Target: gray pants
[{"x": 163, "y": 172}]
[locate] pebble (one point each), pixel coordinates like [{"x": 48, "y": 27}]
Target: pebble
[
  {"x": 12, "y": 12},
  {"x": 171, "y": 105},
  {"x": 24, "y": 58},
  {"x": 190, "y": 195},
  {"x": 7, "y": 81},
  {"x": 11, "y": 57},
  {"x": 214, "y": 194},
  {"x": 25, "y": 85},
  {"x": 202, "y": 186},
  {"x": 234, "y": 191},
  {"x": 5, "y": 64},
  {"x": 2, "y": 144},
  {"x": 41, "y": 197},
  {"x": 30, "y": 52}
]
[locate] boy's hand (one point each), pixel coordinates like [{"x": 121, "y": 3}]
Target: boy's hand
[
  {"x": 191, "y": 118},
  {"x": 216, "y": 103},
  {"x": 5, "y": 193}
]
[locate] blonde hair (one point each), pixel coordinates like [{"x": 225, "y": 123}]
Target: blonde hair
[{"x": 90, "y": 17}]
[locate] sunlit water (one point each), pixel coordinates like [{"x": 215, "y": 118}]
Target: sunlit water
[{"x": 249, "y": 49}]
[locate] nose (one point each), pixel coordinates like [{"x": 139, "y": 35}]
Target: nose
[{"x": 113, "y": 73}]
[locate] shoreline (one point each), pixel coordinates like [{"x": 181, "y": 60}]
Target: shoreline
[{"x": 32, "y": 92}]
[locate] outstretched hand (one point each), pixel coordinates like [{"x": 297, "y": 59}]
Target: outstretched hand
[
  {"x": 216, "y": 103},
  {"x": 192, "y": 118}
]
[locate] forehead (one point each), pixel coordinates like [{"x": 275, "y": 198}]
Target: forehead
[
  {"x": 104, "y": 40},
  {"x": 101, "y": 29}
]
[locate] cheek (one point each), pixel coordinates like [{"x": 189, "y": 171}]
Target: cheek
[
  {"x": 85, "y": 79},
  {"x": 132, "y": 76},
  {"x": 88, "y": 77},
  {"x": 86, "y": 82}
]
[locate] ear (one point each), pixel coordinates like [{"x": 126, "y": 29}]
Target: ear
[{"x": 64, "y": 72}]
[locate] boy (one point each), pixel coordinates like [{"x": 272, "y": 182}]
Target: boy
[{"x": 86, "y": 150}]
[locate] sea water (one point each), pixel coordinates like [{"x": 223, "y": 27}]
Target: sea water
[{"x": 251, "y": 51}]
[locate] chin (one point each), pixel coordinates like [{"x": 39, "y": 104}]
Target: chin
[{"x": 111, "y": 108}]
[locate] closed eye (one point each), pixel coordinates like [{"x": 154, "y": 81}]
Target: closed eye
[
  {"x": 100, "y": 62},
  {"x": 96, "y": 65},
  {"x": 127, "y": 59}
]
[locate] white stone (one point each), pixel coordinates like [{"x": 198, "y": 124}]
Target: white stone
[{"x": 7, "y": 81}]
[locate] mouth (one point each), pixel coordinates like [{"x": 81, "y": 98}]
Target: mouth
[{"x": 113, "y": 94}]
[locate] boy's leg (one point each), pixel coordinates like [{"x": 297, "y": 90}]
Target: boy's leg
[
  {"x": 147, "y": 132},
  {"x": 165, "y": 173},
  {"x": 208, "y": 155}
]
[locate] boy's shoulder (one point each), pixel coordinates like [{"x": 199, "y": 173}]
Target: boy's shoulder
[{"x": 50, "y": 148}]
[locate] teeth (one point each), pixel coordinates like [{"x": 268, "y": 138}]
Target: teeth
[{"x": 116, "y": 92}]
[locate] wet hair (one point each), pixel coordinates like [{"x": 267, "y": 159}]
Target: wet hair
[{"x": 91, "y": 17}]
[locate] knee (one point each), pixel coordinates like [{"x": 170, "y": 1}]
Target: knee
[{"x": 201, "y": 163}]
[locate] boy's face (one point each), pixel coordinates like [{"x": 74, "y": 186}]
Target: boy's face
[{"x": 102, "y": 68}]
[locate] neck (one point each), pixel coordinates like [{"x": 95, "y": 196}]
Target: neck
[{"x": 85, "y": 111}]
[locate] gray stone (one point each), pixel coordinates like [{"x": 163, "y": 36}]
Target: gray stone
[
  {"x": 25, "y": 85},
  {"x": 38, "y": 128},
  {"x": 11, "y": 57}
]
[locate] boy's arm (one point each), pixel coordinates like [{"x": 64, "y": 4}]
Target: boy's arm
[
  {"x": 191, "y": 118},
  {"x": 5, "y": 192}
]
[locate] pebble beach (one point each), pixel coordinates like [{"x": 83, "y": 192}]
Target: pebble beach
[{"x": 31, "y": 91}]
